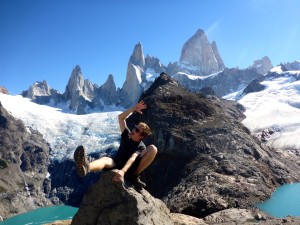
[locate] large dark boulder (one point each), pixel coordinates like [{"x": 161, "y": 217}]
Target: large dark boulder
[
  {"x": 114, "y": 203},
  {"x": 207, "y": 160}
]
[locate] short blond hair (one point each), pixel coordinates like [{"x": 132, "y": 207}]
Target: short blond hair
[{"x": 146, "y": 129}]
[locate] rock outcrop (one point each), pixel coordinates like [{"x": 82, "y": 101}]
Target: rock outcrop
[
  {"x": 207, "y": 160},
  {"x": 24, "y": 160},
  {"x": 109, "y": 202},
  {"x": 254, "y": 86}
]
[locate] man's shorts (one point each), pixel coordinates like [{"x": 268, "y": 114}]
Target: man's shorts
[{"x": 132, "y": 168}]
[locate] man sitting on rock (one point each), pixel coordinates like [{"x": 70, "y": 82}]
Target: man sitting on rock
[{"x": 132, "y": 156}]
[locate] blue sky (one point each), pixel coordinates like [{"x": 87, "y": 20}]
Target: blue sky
[{"x": 45, "y": 39}]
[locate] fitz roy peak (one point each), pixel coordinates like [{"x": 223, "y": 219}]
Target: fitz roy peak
[
  {"x": 198, "y": 52},
  {"x": 199, "y": 68}
]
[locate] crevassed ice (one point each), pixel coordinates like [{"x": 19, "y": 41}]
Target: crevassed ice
[{"x": 64, "y": 132}]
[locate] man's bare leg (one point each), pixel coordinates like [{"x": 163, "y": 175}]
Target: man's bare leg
[
  {"x": 147, "y": 157},
  {"x": 102, "y": 163},
  {"x": 83, "y": 166}
]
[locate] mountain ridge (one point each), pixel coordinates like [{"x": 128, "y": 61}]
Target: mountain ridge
[{"x": 198, "y": 58}]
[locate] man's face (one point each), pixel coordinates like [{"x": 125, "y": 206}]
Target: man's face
[{"x": 136, "y": 133}]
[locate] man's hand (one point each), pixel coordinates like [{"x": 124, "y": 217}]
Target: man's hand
[
  {"x": 140, "y": 106},
  {"x": 119, "y": 176}
]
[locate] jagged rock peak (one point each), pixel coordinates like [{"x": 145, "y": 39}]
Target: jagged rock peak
[
  {"x": 76, "y": 70},
  {"x": 108, "y": 92},
  {"x": 110, "y": 80},
  {"x": 75, "y": 82},
  {"x": 78, "y": 86},
  {"x": 76, "y": 73},
  {"x": 200, "y": 32},
  {"x": 132, "y": 87},
  {"x": 291, "y": 66},
  {"x": 137, "y": 57},
  {"x": 263, "y": 65},
  {"x": 154, "y": 63},
  {"x": 38, "y": 89},
  {"x": 198, "y": 52},
  {"x": 79, "y": 91}
]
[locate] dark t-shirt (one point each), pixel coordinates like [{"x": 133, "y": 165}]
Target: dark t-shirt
[{"x": 127, "y": 148}]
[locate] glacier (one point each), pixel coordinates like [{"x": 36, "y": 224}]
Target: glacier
[{"x": 97, "y": 131}]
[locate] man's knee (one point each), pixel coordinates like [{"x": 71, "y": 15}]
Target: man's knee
[{"x": 152, "y": 150}]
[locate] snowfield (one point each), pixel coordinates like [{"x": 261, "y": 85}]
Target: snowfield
[{"x": 277, "y": 107}]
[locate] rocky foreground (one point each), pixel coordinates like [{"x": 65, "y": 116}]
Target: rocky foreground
[
  {"x": 186, "y": 220},
  {"x": 114, "y": 203}
]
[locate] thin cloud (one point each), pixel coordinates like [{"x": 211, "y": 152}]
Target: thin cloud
[{"x": 212, "y": 27}]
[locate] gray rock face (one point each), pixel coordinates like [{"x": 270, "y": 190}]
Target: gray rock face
[
  {"x": 78, "y": 91},
  {"x": 154, "y": 64},
  {"x": 41, "y": 93},
  {"x": 263, "y": 65},
  {"x": 198, "y": 52},
  {"x": 108, "y": 91},
  {"x": 38, "y": 89},
  {"x": 24, "y": 160},
  {"x": 137, "y": 58},
  {"x": 132, "y": 87},
  {"x": 291, "y": 66},
  {"x": 223, "y": 83},
  {"x": 113, "y": 203},
  {"x": 221, "y": 64}
]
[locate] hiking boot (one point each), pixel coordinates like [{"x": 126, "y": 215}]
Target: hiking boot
[
  {"x": 82, "y": 164},
  {"x": 136, "y": 181}
]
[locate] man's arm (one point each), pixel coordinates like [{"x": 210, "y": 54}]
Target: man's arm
[
  {"x": 122, "y": 117},
  {"x": 120, "y": 173}
]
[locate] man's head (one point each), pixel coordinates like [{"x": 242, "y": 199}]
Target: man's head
[{"x": 140, "y": 131}]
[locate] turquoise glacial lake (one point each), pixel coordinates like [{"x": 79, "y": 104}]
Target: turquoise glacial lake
[
  {"x": 285, "y": 201},
  {"x": 42, "y": 216}
]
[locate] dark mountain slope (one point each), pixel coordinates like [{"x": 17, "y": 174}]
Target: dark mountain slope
[
  {"x": 207, "y": 159},
  {"x": 24, "y": 160}
]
